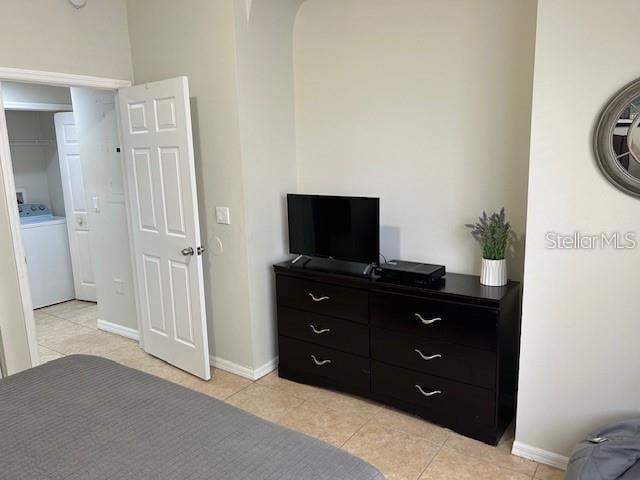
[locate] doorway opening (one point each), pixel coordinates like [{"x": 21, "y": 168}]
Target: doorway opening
[
  {"x": 127, "y": 174},
  {"x": 73, "y": 223}
]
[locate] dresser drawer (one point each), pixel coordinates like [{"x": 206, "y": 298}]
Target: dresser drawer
[
  {"x": 311, "y": 361},
  {"x": 463, "y": 324},
  {"x": 434, "y": 397},
  {"x": 324, "y": 299},
  {"x": 435, "y": 357},
  {"x": 330, "y": 332}
]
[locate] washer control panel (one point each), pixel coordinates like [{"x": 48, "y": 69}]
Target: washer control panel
[{"x": 33, "y": 210}]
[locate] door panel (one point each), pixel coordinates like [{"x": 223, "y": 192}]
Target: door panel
[
  {"x": 159, "y": 162},
  {"x": 172, "y": 192},
  {"x": 75, "y": 205},
  {"x": 180, "y": 295},
  {"x": 76, "y": 183},
  {"x": 153, "y": 289},
  {"x": 84, "y": 251},
  {"x": 144, "y": 190}
]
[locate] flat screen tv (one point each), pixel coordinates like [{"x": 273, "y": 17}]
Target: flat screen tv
[{"x": 342, "y": 228}]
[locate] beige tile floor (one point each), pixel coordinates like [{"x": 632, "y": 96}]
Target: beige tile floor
[{"x": 399, "y": 445}]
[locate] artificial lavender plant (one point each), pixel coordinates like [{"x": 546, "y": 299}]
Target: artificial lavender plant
[{"x": 492, "y": 233}]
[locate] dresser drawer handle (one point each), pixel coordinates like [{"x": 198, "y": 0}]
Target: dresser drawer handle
[
  {"x": 427, "y": 357},
  {"x": 317, "y": 299},
  {"x": 320, "y": 362},
  {"x": 428, "y": 322},
  {"x": 319, "y": 332},
  {"x": 428, "y": 394}
]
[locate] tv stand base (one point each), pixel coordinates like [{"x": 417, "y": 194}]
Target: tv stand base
[{"x": 330, "y": 265}]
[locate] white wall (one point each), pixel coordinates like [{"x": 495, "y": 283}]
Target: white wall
[
  {"x": 242, "y": 110},
  {"x": 267, "y": 134},
  {"x": 206, "y": 26},
  {"x": 95, "y": 115},
  {"x": 580, "y": 326},
  {"x": 52, "y": 36},
  {"x": 425, "y": 104},
  {"x": 35, "y": 166}
]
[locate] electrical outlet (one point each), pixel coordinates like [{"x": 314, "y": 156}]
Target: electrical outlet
[{"x": 119, "y": 284}]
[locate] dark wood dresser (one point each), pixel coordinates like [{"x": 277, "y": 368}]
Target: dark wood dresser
[{"x": 448, "y": 353}]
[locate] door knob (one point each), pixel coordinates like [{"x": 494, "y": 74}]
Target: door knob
[{"x": 187, "y": 251}]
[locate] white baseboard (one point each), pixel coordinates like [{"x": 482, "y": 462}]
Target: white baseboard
[
  {"x": 216, "y": 362},
  {"x": 265, "y": 369},
  {"x": 111, "y": 327},
  {"x": 242, "y": 371},
  {"x": 541, "y": 456}
]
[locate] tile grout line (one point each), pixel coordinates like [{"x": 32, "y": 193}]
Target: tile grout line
[
  {"x": 275, "y": 390},
  {"x": 370, "y": 420},
  {"x": 57, "y": 315},
  {"x": 74, "y": 323},
  {"x": 440, "y": 448},
  {"x": 89, "y": 330},
  {"x": 419, "y": 437},
  {"x": 52, "y": 349},
  {"x": 80, "y": 310},
  {"x": 288, "y": 410},
  {"x": 535, "y": 472},
  {"x": 236, "y": 392},
  {"x": 484, "y": 460},
  {"x": 432, "y": 459},
  {"x": 353, "y": 435},
  {"x": 306, "y": 401},
  {"x": 330, "y": 406},
  {"x": 411, "y": 434},
  {"x": 279, "y": 421}
]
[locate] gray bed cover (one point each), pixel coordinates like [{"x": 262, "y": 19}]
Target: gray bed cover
[{"x": 84, "y": 417}]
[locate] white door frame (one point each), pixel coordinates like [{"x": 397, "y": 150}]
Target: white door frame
[{"x": 6, "y": 168}]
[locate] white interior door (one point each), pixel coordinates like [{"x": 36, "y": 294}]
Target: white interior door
[
  {"x": 75, "y": 206},
  {"x": 155, "y": 121}
]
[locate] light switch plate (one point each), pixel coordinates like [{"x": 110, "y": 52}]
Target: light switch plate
[
  {"x": 119, "y": 286},
  {"x": 222, "y": 215}
]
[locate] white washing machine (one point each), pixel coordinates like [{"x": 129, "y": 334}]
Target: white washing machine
[{"x": 46, "y": 246}]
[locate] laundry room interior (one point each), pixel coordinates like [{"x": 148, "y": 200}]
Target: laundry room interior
[{"x": 70, "y": 196}]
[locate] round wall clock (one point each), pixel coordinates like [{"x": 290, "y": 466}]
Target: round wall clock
[{"x": 616, "y": 140}]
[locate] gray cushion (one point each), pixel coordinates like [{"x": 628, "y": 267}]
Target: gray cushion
[{"x": 616, "y": 457}]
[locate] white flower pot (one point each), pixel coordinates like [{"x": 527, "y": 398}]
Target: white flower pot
[{"x": 493, "y": 273}]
